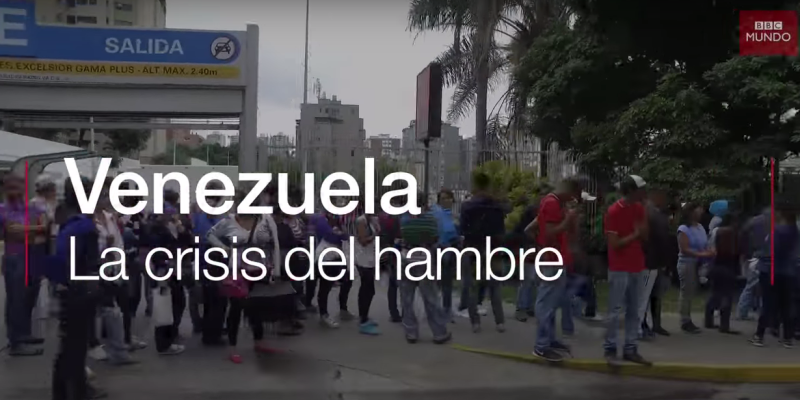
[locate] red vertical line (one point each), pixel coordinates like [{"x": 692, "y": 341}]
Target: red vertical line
[
  {"x": 772, "y": 223},
  {"x": 26, "y": 224}
]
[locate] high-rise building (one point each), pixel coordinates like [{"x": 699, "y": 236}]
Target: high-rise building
[
  {"x": 331, "y": 138},
  {"x": 445, "y": 167},
  {"x": 233, "y": 140},
  {"x": 382, "y": 146},
  {"x": 138, "y": 13},
  {"x": 216, "y": 138}
]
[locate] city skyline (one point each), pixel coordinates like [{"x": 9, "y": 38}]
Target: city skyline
[{"x": 349, "y": 64}]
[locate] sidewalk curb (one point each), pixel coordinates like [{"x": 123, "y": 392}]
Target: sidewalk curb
[{"x": 720, "y": 373}]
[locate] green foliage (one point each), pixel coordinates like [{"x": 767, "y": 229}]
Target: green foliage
[
  {"x": 126, "y": 142},
  {"x": 520, "y": 188},
  {"x": 212, "y": 154},
  {"x": 635, "y": 84}
]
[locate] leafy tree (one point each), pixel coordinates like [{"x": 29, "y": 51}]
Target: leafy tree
[
  {"x": 125, "y": 142},
  {"x": 639, "y": 85}
]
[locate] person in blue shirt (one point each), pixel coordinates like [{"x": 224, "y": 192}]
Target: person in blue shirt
[
  {"x": 448, "y": 237},
  {"x": 777, "y": 296},
  {"x": 76, "y": 298},
  {"x": 692, "y": 242}
]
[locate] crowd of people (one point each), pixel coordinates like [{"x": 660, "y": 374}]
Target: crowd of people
[{"x": 97, "y": 318}]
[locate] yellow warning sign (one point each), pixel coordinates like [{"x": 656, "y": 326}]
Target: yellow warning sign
[{"x": 45, "y": 67}]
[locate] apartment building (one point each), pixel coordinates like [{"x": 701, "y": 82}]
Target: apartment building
[
  {"x": 139, "y": 13},
  {"x": 383, "y": 146},
  {"x": 446, "y": 169},
  {"x": 331, "y": 137}
]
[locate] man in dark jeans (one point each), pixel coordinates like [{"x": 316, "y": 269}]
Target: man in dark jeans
[
  {"x": 390, "y": 237},
  {"x": 76, "y": 300},
  {"x": 657, "y": 254}
]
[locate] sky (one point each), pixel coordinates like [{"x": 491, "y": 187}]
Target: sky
[{"x": 360, "y": 50}]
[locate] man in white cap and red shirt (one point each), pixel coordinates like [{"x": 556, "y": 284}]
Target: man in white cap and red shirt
[{"x": 626, "y": 228}]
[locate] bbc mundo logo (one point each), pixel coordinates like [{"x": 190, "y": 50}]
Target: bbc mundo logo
[
  {"x": 768, "y": 31},
  {"x": 223, "y": 48}
]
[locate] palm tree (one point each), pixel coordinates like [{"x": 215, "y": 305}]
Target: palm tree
[{"x": 477, "y": 61}]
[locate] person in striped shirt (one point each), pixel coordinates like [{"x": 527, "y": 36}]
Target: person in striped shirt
[{"x": 421, "y": 231}]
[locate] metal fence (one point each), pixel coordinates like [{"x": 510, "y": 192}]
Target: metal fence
[{"x": 450, "y": 167}]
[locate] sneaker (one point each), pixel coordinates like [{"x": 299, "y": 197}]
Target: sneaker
[
  {"x": 173, "y": 350},
  {"x": 33, "y": 340},
  {"x": 444, "y": 339},
  {"x": 93, "y": 393},
  {"x": 521, "y": 316},
  {"x": 98, "y": 354},
  {"x": 345, "y": 316},
  {"x": 476, "y": 328},
  {"x": 482, "y": 311},
  {"x": 368, "y": 329},
  {"x": 462, "y": 313},
  {"x": 636, "y": 358},
  {"x": 328, "y": 322},
  {"x": 531, "y": 313},
  {"x": 729, "y": 331},
  {"x": 24, "y": 351},
  {"x": 787, "y": 344},
  {"x": 611, "y": 357},
  {"x": 549, "y": 354},
  {"x": 396, "y": 319},
  {"x": 560, "y": 347},
  {"x": 501, "y": 328},
  {"x": 757, "y": 341},
  {"x": 411, "y": 339},
  {"x": 660, "y": 331},
  {"x": 136, "y": 344},
  {"x": 124, "y": 362},
  {"x": 235, "y": 358},
  {"x": 689, "y": 327}
]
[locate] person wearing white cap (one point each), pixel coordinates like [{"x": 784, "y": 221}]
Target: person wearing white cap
[{"x": 626, "y": 227}]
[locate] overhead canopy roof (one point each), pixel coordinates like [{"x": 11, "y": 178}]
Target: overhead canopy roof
[{"x": 14, "y": 147}]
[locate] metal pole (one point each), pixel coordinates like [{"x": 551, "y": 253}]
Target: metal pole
[
  {"x": 91, "y": 134},
  {"x": 426, "y": 170},
  {"x": 174, "y": 151},
  {"x": 305, "y": 55}
]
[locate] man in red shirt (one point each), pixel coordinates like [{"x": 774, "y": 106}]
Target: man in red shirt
[
  {"x": 626, "y": 227},
  {"x": 554, "y": 221}
]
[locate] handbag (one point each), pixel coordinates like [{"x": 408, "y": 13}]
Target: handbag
[
  {"x": 238, "y": 288},
  {"x": 162, "y": 306}
]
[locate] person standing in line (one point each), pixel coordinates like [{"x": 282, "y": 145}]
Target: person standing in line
[
  {"x": 752, "y": 238},
  {"x": 554, "y": 220},
  {"x": 69, "y": 380},
  {"x": 693, "y": 243},
  {"x": 483, "y": 217},
  {"x": 778, "y": 302},
  {"x": 626, "y": 227},
  {"x": 390, "y": 237},
  {"x": 525, "y": 232},
  {"x": 329, "y": 235},
  {"x": 448, "y": 238},
  {"x": 43, "y": 203},
  {"x": 18, "y": 313},
  {"x": 723, "y": 273},
  {"x": 367, "y": 229},
  {"x": 214, "y": 304},
  {"x": 656, "y": 247},
  {"x": 420, "y": 231}
]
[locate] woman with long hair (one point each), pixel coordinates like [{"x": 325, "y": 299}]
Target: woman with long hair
[{"x": 692, "y": 242}]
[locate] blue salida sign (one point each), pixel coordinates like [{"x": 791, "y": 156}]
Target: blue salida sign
[{"x": 22, "y": 37}]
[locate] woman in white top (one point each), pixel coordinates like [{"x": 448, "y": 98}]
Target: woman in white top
[{"x": 367, "y": 229}]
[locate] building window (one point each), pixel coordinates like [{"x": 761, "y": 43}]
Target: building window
[
  {"x": 83, "y": 19},
  {"x": 386, "y": 143},
  {"x": 120, "y": 22},
  {"x": 386, "y": 152},
  {"x": 123, "y": 6}
]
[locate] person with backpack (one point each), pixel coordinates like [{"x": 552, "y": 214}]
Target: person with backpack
[{"x": 482, "y": 217}]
